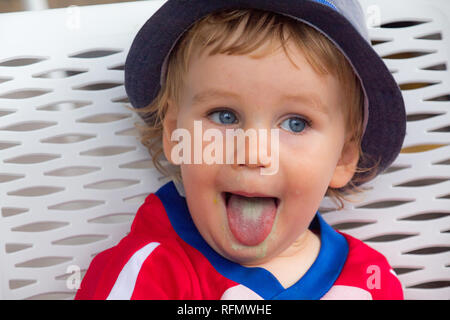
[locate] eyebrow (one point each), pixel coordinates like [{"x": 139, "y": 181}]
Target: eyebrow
[
  {"x": 310, "y": 99},
  {"x": 212, "y": 93},
  {"x": 306, "y": 98}
]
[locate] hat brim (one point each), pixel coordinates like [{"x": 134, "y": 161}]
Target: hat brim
[{"x": 386, "y": 117}]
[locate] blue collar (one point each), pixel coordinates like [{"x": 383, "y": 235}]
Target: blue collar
[{"x": 319, "y": 278}]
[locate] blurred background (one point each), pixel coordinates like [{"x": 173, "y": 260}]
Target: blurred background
[{"x": 26, "y": 5}]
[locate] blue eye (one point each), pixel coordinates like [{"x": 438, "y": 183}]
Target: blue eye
[
  {"x": 223, "y": 117},
  {"x": 294, "y": 124}
]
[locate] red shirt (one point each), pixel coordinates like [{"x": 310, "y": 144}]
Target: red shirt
[{"x": 165, "y": 257}]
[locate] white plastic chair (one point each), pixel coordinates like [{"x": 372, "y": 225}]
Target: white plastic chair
[{"x": 73, "y": 173}]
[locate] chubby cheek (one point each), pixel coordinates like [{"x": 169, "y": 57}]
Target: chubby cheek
[
  {"x": 202, "y": 198},
  {"x": 310, "y": 181},
  {"x": 199, "y": 184},
  {"x": 306, "y": 174},
  {"x": 192, "y": 175},
  {"x": 297, "y": 211}
]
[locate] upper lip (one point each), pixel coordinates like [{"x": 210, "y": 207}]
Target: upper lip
[{"x": 250, "y": 194}]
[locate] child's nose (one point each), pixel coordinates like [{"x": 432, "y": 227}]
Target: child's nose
[{"x": 253, "y": 151}]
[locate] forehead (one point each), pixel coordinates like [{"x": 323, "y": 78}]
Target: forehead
[
  {"x": 270, "y": 74},
  {"x": 256, "y": 49}
]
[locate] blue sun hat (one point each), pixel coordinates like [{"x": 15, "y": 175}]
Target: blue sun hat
[{"x": 341, "y": 21}]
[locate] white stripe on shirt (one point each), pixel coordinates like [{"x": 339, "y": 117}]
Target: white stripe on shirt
[{"x": 124, "y": 286}]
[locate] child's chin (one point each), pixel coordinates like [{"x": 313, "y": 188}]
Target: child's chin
[{"x": 246, "y": 255}]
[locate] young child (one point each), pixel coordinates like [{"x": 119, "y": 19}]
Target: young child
[{"x": 304, "y": 69}]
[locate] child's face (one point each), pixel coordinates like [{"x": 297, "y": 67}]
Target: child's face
[{"x": 263, "y": 93}]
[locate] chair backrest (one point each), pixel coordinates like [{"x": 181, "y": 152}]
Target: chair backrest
[
  {"x": 405, "y": 214},
  {"x": 73, "y": 173}
]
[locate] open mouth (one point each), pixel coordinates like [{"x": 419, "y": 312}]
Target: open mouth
[{"x": 250, "y": 216}]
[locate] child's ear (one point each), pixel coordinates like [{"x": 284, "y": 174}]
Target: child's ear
[
  {"x": 346, "y": 166},
  {"x": 169, "y": 125}
]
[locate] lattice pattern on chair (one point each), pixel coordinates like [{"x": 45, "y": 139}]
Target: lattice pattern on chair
[
  {"x": 405, "y": 214},
  {"x": 72, "y": 173}
]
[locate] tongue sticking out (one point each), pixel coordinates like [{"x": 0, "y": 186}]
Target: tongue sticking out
[{"x": 250, "y": 219}]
